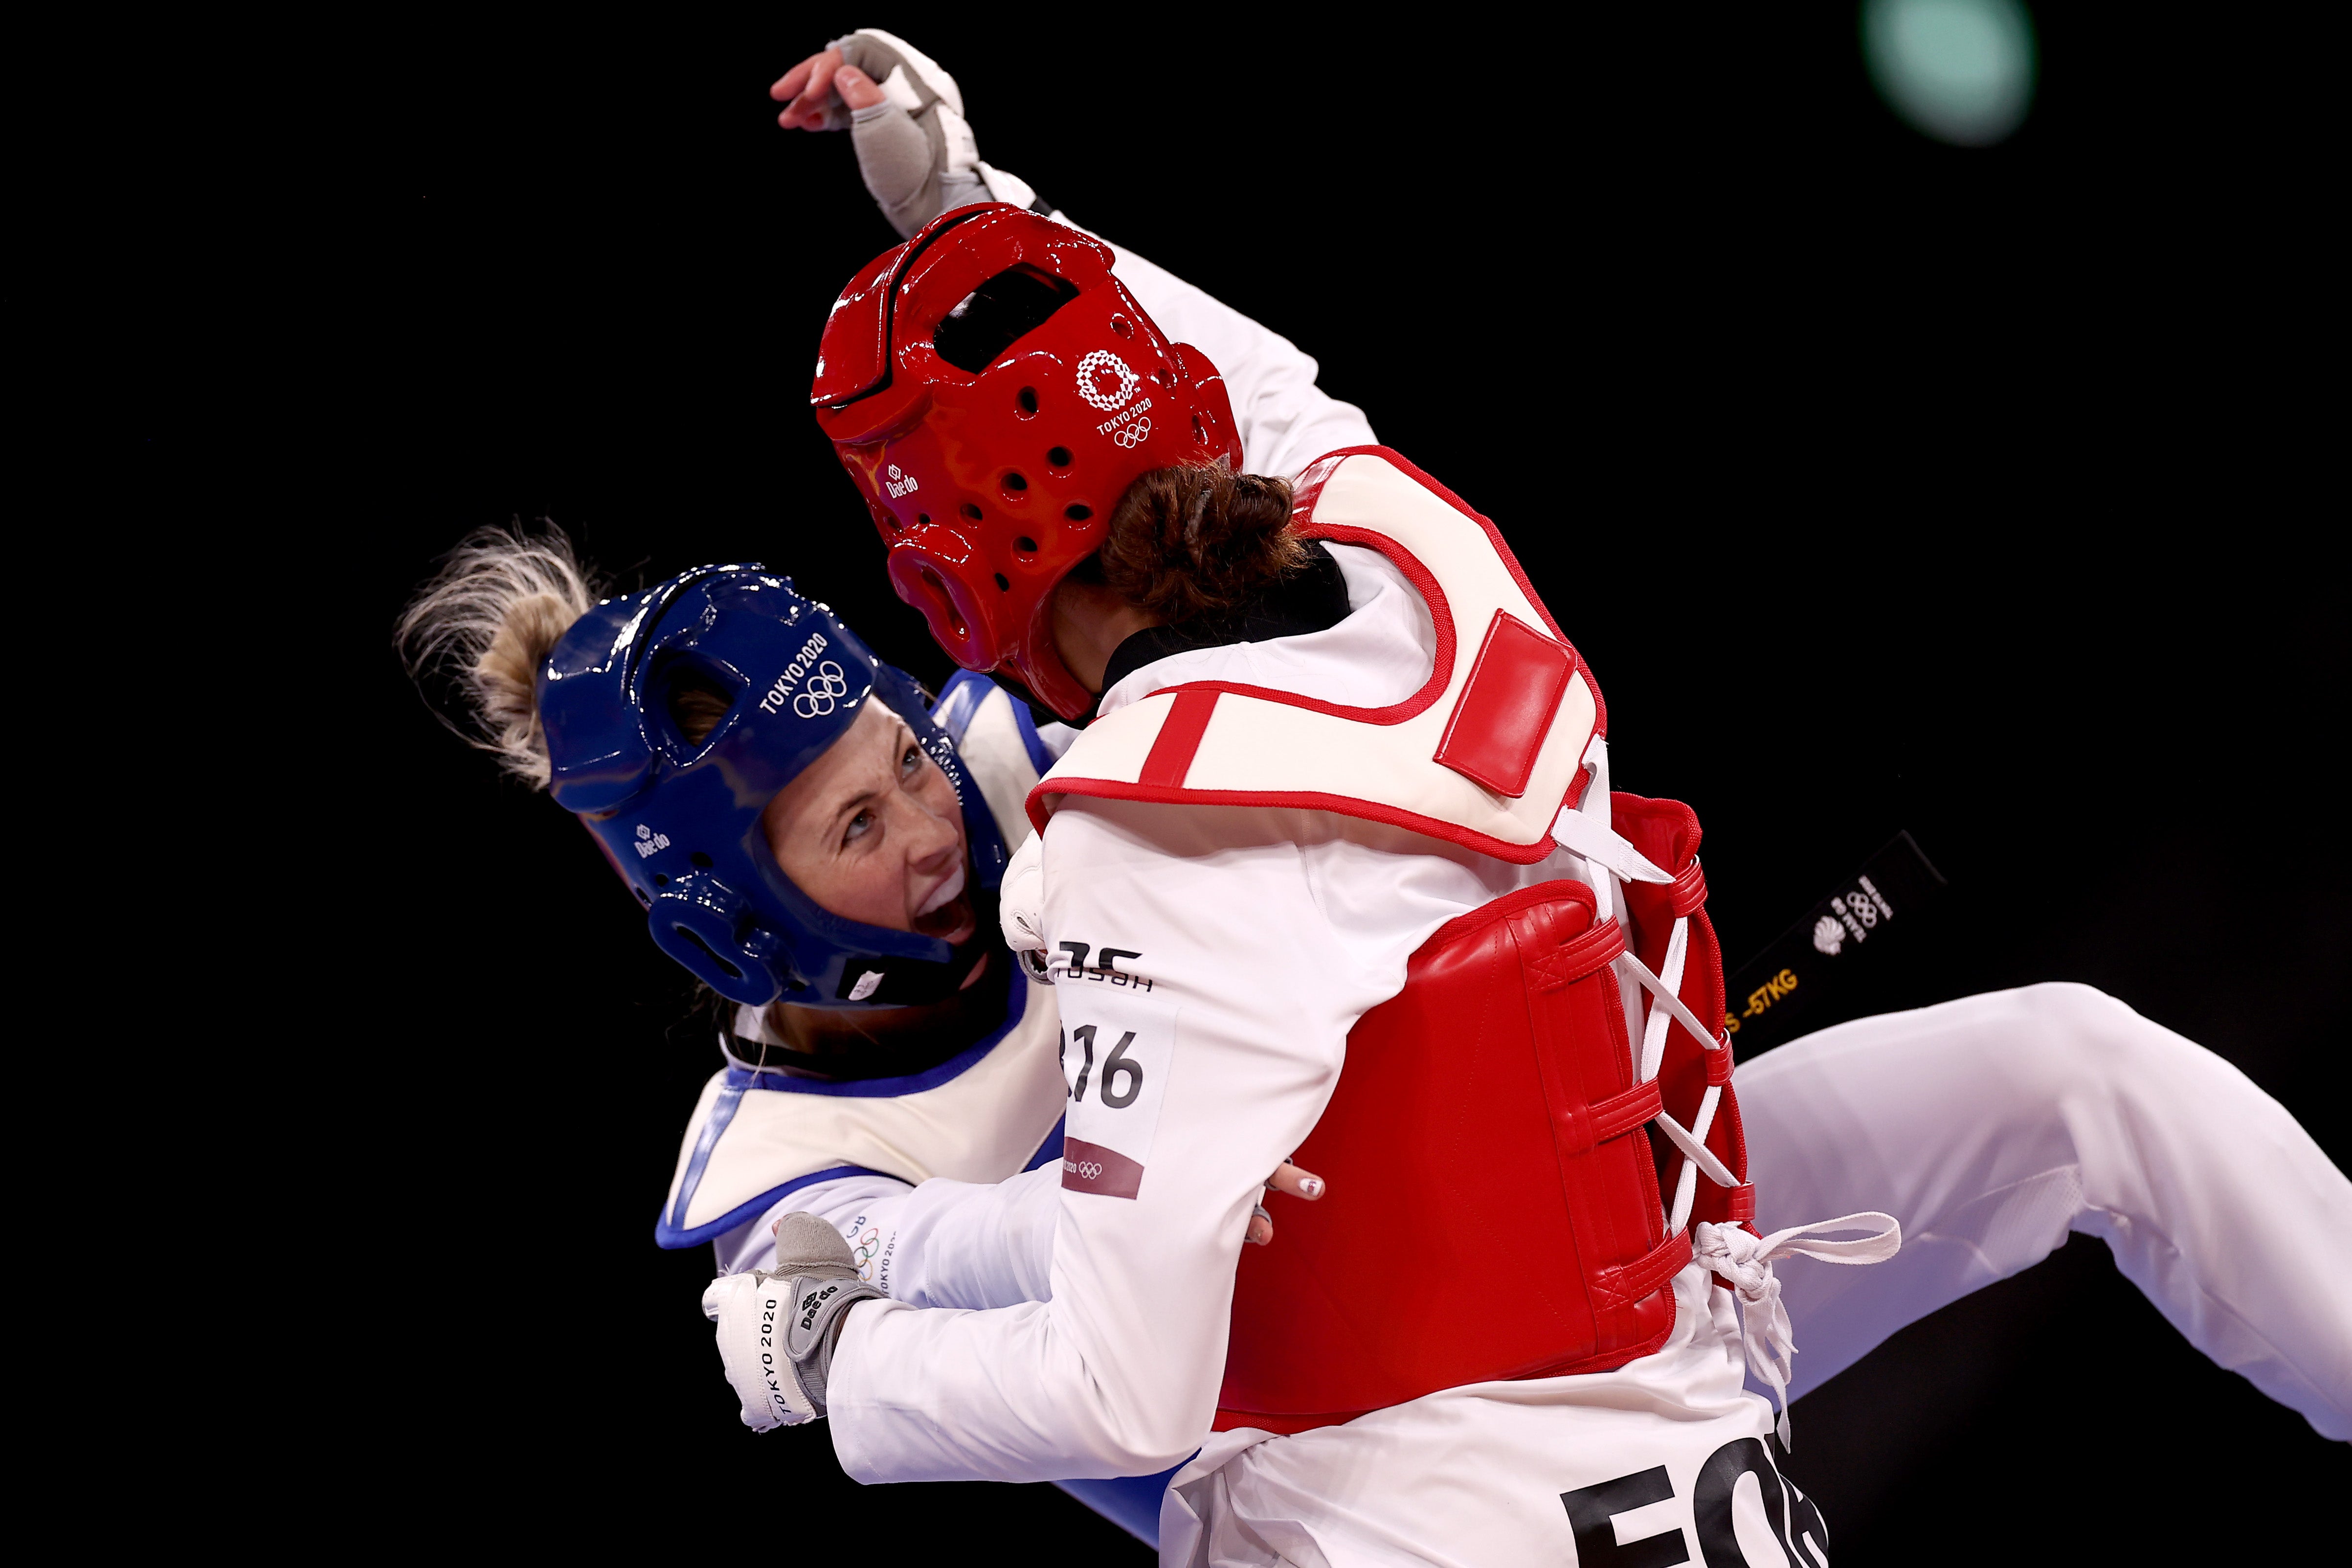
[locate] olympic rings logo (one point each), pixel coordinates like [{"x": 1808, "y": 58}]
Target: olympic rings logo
[
  {"x": 862, "y": 1256},
  {"x": 1087, "y": 1170},
  {"x": 1098, "y": 367},
  {"x": 823, "y": 687},
  {"x": 1134, "y": 434}
]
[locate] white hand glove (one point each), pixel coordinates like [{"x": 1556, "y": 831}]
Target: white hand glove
[
  {"x": 1020, "y": 908},
  {"x": 778, "y": 1327}
]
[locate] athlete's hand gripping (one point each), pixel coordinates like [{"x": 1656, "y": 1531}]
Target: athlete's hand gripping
[
  {"x": 906, "y": 117},
  {"x": 1286, "y": 1178},
  {"x": 778, "y": 1327}
]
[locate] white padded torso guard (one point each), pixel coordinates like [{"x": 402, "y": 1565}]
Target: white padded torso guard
[
  {"x": 1535, "y": 708},
  {"x": 981, "y": 1125}
]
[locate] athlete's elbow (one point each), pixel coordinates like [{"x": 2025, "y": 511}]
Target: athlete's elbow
[
  {"x": 1149, "y": 1449},
  {"x": 1144, "y": 1430}
]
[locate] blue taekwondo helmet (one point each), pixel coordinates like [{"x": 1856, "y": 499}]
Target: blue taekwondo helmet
[{"x": 681, "y": 823}]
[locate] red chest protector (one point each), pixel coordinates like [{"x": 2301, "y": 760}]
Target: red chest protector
[
  {"x": 1492, "y": 1107},
  {"x": 1489, "y": 1109}
]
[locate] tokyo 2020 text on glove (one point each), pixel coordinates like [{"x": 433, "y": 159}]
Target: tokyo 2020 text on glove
[{"x": 778, "y": 1327}]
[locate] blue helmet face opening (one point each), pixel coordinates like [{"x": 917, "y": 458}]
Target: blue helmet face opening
[{"x": 682, "y": 820}]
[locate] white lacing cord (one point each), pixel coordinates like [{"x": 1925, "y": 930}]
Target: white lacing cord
[
  {"x": 1654, "y": 1034},
  {"x": 1608, "y": 853},
  {"x": 1665, "y": 993},
  {"x": 1743, "y": 1260},
  {"x": 1697, "y": 1153},
  {"x": 1665, "y": 1006},
  {"x": 1745, "y": 1263}
]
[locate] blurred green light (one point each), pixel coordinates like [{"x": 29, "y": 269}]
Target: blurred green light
[{"x": 1959, "y": 70}]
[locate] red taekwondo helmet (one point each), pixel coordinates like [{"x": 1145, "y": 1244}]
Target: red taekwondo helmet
[{"x": 994, "y": 390}]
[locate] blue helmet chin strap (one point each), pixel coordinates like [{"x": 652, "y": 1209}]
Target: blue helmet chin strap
[{"x": 681, "y": 822}]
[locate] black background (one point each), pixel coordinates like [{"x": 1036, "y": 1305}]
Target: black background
[{"x": 1884, "y": 485}]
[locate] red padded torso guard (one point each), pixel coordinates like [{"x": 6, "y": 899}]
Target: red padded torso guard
[
  {"x": 1494, "y": 1201},
  {"x": 1487, "y": 1115}
]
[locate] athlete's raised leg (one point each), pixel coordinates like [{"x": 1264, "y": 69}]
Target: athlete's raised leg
[{"x": 1994, "y": 1125}]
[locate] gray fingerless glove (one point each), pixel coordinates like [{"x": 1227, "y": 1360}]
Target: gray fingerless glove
[
  {"x": 820, "y": 1275},
  {"x": 778, "y": 1328},
  {"x": 915, "y": 148}
]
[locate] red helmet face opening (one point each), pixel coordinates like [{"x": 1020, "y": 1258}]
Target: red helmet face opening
[{"x": 994, "y": 391}]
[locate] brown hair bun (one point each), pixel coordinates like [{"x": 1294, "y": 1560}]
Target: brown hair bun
[{"x": 1199, "y": 538}]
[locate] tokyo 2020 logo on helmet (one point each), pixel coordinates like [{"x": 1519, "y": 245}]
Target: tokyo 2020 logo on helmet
[
  {"x": 1102, "y": 368},
  {"x": 826, "y": 687},
  {"x": 994, "y": 390}
]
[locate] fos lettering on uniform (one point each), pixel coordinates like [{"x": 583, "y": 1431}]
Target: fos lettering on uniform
[{"x": 1117, "y": 1049}]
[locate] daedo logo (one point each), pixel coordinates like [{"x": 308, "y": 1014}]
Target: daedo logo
[
  {"x": 649, "y": 841},
  {"x": 899, "y": 482},
  {"x": 814, "y": 1301}
]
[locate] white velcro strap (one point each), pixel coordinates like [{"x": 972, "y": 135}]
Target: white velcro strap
[
  {"x": 746, "y": 1308},
  {"x": 1581, "y": 834},
  {"x": 1699, "y": 1155}
]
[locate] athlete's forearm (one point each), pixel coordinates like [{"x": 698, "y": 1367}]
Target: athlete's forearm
[
  {"x": 967, "y": 1244},
  {"x": 942, "y": 1243}
]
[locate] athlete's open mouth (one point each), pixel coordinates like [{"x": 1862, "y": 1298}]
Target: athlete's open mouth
[
  {"x": 950, "y": 887},
  {"x": 946, "y": 912}
]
